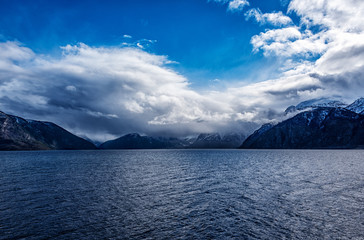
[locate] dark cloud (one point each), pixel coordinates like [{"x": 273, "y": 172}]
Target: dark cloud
[
  {"x": 294, "y": 93},
  {"x": 346, "y": 81}
]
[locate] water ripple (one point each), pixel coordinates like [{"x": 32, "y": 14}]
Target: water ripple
[{"x": 183, "y": 194}]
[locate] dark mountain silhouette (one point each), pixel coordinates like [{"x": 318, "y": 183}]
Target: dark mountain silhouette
[
  {"x": 17, "y": 133},
  {"x": 215, "y": 140},
  {"x": 205, "y": 140},
  {"x": 136, "y": 141}
]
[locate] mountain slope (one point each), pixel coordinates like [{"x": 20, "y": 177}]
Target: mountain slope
[
  {"x": 135, "y": 141},
  {"x": 357, "y": 106},
  {"x": 215, "y": 140},
  {"x": 264, "y": 128},
  {"x": 319, "y": 128},
  {"x": 17, "y": 133}
]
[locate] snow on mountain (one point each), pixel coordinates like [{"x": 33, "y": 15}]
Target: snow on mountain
[
  {"x": 357, "y": 106},
  {"x": 321, "y": 127},
  {"x": 315, "y": 103},
  {"x": 320, "y": 102}
]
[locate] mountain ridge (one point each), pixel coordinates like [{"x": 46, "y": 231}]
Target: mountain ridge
[
  {"x": 316, "y": 124},
  {"x": 17, "y": 133},
  {"x": 314, "y": 129},
  {"x": 202, "y": 141}
]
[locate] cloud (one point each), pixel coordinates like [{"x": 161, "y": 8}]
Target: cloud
[
  {"x": 234, "y": 5},
  {"x": 333, "y": 14},
  {"x": 275, "y": 18},
  {"x": 284, "y": 2},
  {"x": 99, "y": 91},
  {"x": 290, "y": 42},
  {"x": 139, "y": 45},
  {"x": 237, "y": 5},
  {"x": 326, "y": 45}
]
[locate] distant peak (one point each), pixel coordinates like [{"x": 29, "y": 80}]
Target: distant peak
[
  {"x": 357, "y": 106},
  {"x": 316, "y": 103},
  {"x": 134, "y": 135}
]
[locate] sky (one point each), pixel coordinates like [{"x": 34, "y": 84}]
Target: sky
[{"x": 102, "y": 69}]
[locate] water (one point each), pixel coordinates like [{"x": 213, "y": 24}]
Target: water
[{"x": 182, "y": 194}]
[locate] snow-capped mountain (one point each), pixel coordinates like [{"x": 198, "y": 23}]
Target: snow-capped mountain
[
  {"x": 320, "y": 102},
  {"x": 315, "y": 103},
  {"x": 319, "y": 123},
  {"x": 357, "y": 106},
  {"x": 317, "y": 128}
]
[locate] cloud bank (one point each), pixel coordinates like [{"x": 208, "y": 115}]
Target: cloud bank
[{"x": 104, "y": 92}]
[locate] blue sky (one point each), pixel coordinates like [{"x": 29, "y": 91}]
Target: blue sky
[
  {"x": 177, "y": 68},
  {"x": 208, "y": 41}
]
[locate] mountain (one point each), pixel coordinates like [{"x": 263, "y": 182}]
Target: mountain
[
  {"x": 215, "y": 140},
  {"x": 205, "y": 140},
  {"x": 357, "y": 106},
  {"x": 136, "y": 141},
  {"x": 17, "y": 133},
  {"x": 258, "y": 133},
  {"x": 321, "y": 127},
  {"x": 315, "y": 103}
]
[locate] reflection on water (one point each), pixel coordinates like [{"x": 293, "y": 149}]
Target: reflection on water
[{"x": 182, "y": 194}]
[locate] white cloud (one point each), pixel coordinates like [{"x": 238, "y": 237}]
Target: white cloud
[
  {"x": 139, "y": 45},
  {"x": 234, "y": 5},
  {"x": 327, "y": 45},
  {"x": 237, "y": 5},
  {"x": 114, "y": 91},
  {"x": 119, "y": 90},
  {"x": 275, "y": 18},
  {"x": 283, "y": 35},
  {"x": 335, "y": 14},
  {"x": 290, "y": 42}
]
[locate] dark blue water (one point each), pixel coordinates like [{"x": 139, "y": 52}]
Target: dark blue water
[{"x": 183, "y": 194}]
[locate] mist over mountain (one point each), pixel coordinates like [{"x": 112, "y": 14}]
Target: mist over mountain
[
  {"x": 21, "y": 134},
  {"x": 136, "y": 141},
  {"x": 202, "y": 141},
  {"x": 316, "y": 123}
]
